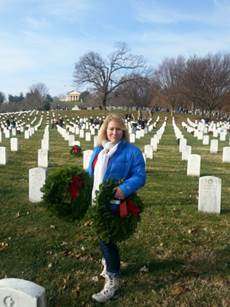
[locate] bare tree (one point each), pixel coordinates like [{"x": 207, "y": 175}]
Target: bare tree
[
  {"x": 40, "y": 89},
  {"x": 2, "y": 97},
  {"x": 138, "y": 91},
  {"x": 169, "y": 77},
  {"x": 37, "y": 95},
  {"x": 207, "y": 81},
  {"x": 105, "y": 75}
]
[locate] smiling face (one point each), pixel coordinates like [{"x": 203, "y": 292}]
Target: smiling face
[{"x": 114, "y": 132}]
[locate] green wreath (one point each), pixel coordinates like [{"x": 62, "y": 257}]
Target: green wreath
[
  {"x": 109, "y": 226},
  {"x": 67, "y": 192},
  {"x": 76, "y": 151}
]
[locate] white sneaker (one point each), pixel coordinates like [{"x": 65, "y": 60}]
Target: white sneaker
[
  {"x": 109, "y": 290},
  {"x": 103, "y": 273}
]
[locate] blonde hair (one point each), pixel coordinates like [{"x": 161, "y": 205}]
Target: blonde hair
[{"x": 102, "y": 133}]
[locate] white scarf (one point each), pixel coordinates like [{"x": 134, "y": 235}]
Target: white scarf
[{"x": 101, "y": 166}]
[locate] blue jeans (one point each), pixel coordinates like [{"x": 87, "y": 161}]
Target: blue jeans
[{"x": 110, "y": 253}]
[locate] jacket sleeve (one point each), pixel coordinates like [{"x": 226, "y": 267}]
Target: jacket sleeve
[{"x": 137, "y": 175}]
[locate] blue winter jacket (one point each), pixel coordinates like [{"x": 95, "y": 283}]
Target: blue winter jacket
[{"x": 126, "y": 163}]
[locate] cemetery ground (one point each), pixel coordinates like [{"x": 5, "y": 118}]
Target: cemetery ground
[{"x": 177, "y": 257}]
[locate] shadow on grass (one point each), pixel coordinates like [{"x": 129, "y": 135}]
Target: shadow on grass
[
  {"x": 225, "y": 211},
  {"x": 154, "y": 266},
  {"x": 53, "y": 164},
  {"x": 161, "y": 274}
]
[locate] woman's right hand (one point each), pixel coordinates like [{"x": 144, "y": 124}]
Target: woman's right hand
[{"x": 119, "y": 194}]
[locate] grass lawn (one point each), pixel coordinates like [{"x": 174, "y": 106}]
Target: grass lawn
[{"x": 177, "y": 257}]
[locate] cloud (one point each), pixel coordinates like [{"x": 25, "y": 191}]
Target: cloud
[
  {"x": 69, "y": 10},
  {"x": 36, "y": 23},
  {"x": 157, "y": 12},
  {"x": 156, "y": 46},
  {"x": 215, "y": 14}
]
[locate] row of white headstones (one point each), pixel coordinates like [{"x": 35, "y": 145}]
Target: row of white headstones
[
  {"x": 38, "y": 175},
  {"x": 14, "y": 143},
  {"x": 10, "y": 132},
  {"x": 200, "y": 130},
  {"x": 209, "y": 197}
]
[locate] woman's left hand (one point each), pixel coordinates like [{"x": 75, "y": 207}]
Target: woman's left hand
[{"x": 119, "y": 194}]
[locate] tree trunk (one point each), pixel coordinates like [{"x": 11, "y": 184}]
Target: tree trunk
[{"x": 104, "y": 101}]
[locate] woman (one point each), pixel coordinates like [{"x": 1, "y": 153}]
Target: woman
[{"x": 115, "y": 158}]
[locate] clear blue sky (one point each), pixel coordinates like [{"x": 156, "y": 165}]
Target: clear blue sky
[{"x": 40, "y": 40}]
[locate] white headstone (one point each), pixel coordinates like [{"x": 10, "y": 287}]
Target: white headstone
[
  {"x": 182, "y": 144},
  {"x": 88, "y": 136},
  {"x": 214, "y": 146},
  {"x": 72, "y": 129},
  {"x": 226, "y": 154},
  {"x": 148, "y": 150},
  {"x": 45, "y": 143},
  {"x": 205, "y": 139},
  {"x": 77, "y": 130},
  {"x": 3, "y": 155},
  {"x": 138, "y": 134},
  {"x": 215, "y": 133},
  {"x": 32, "y": 130},
  {"x": 14, "y": 144},
  {"x": 82, "y": 134},
  {"x": 66, "y": 135},
  {"x": 21, "y": 293},
  {"x": 142, "y": 131},
  {"x": 186, "y": 152},
  {"x": 154, "y": 143},
  {"x": 223, "y": 136},
  {"x": 132, "y": 138},
  {"x": 7, "y": 134},
  {"x": 209, "y": 194},
  {"x": 92, "y": 131},
  {"x": 27, "y": 134},
  {"x": 14, "y": 132},
  {"x": 37, "y": 178},
  {"x": 71, "y": 140},
  {"x": 86, "y": 158},
  {"x": 193, "y": 165},
  {"x": 42, "y": 158},
  {"x": 200, "y": 135}
]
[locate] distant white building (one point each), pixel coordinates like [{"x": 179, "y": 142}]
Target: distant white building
[{"x": 71, "y": 96}]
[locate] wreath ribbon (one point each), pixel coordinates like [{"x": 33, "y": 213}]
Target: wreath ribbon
[
  {"x": 75, "y": 186},
  {"x": 75, "y": 149},
  {"x": 128, "y": 206}
]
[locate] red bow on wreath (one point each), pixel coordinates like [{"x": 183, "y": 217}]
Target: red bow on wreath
[
  {"x": 128, "y": 206},
  {"x": 76, "y": 149},
  {"x": 75, "y": 186}
]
